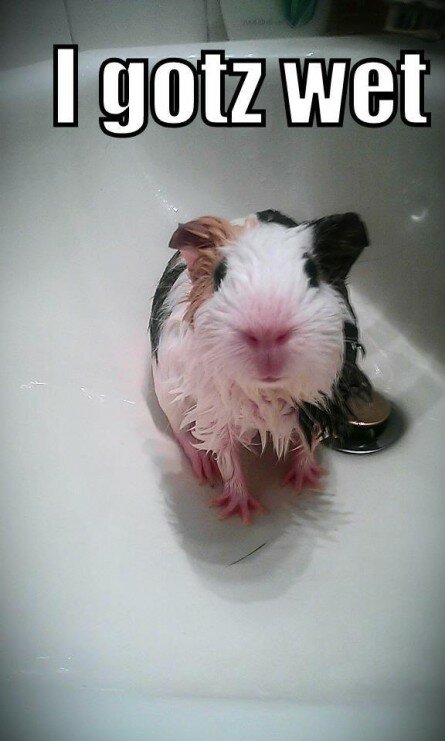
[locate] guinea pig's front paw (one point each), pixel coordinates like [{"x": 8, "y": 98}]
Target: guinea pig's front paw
[
  {"x": 203, "y": 464},
  {"x": 236, "y": 500},
  {"x": 304, "y": 473}
]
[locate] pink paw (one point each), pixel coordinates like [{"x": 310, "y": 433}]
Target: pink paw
[
  {"x": 304, "y": 474},
  {"x": 204, "y": 465},
  {"x": 234, "y": 502}
]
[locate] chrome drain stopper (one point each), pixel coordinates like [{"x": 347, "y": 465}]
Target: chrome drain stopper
[{"x": 373, "y": 425}]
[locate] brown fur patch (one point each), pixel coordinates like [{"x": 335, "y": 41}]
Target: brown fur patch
[
  {"x": 203, "y": 233},
  {"x": 202, "y": 281},
  {"x": 201, "y": 240},
  {"x": 207, "y": 234}
]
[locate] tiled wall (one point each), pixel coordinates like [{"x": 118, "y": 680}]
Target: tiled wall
[{"x": 29, "y": 28}]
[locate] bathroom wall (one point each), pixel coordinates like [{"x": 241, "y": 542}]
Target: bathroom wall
[{"x": 29, "y": 28}]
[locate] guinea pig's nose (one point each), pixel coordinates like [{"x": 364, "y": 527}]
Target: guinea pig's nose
[{"x": 261, "y": 339}]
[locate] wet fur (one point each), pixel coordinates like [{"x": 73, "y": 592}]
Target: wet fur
[{"x": 193, "y": 385}]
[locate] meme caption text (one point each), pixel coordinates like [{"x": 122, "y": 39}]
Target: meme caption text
[{"x": 316, "y": 92}]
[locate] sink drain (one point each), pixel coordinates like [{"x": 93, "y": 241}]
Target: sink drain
[{"x": 373, "y": 426}]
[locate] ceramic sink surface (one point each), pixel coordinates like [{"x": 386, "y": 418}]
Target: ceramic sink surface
[{"x": 123, "y": 615}]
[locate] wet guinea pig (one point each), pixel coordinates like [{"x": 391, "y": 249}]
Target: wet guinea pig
[{"x": 253, "y": 338}]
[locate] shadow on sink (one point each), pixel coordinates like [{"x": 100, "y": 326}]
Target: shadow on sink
[{"x": 242, "y": 563}]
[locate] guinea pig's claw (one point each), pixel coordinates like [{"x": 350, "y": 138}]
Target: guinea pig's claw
[
  {"x": 234, "y": 504},
  {"x": 304, "y": 475}
]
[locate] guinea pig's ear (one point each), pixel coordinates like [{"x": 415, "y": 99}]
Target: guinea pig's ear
[
  {"x": 204, "y": 233},
  {"x": 338, "y": 241}
]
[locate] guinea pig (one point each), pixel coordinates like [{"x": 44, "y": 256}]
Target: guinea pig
[{"x": 254, "y": 339}]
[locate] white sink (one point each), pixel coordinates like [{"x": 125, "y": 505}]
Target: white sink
[{"x": 123, "y": 615}]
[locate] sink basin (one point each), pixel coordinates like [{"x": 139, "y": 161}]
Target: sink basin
[{"x": 124, "y": 611}]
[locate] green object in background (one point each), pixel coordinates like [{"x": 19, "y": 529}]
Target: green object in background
[
  {"x": 274, "y": 19},
  {"x": 299, "y": 12}
]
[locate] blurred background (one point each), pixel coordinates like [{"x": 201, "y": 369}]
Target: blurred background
[{"x": 29, "y": 28}]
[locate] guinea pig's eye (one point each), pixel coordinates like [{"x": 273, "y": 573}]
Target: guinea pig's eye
[
  {"x": 219, "y": 274},
  {"x": 311, "y": 270}
]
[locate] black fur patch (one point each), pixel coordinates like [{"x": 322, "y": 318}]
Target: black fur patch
[
  {"x": 311, "y": 270},
  {"x": 338, "y": 241},
  {"x": 158, "y": 311},
  {"x": 275, "y": 217},
  {"x": 331, "y": 418},
  {"x": 220, "y": 273}
]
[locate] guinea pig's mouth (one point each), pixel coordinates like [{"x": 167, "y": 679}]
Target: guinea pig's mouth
[{"x": 270, "y": 379}]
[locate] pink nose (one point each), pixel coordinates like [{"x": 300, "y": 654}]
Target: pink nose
[
  {"x": 266, "y": 339},
  {"x": 268, "y": 350}
]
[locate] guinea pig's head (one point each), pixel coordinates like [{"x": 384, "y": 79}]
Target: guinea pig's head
[{"x": 266, "y": 304}]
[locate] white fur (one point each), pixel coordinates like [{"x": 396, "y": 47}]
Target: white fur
[{"x": 205, "y": 378}]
